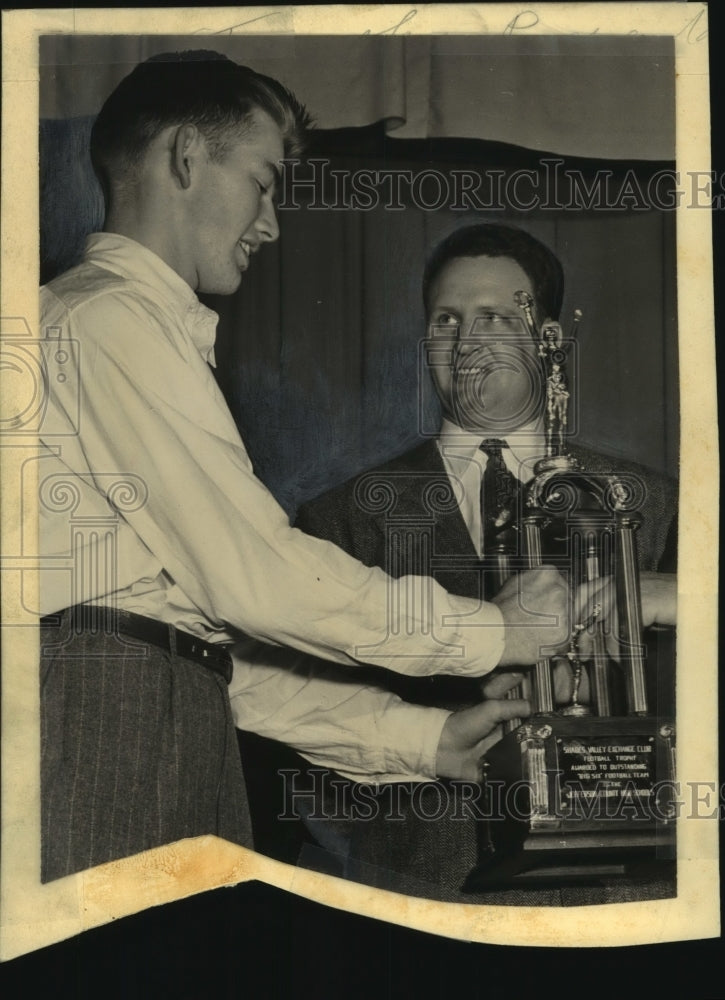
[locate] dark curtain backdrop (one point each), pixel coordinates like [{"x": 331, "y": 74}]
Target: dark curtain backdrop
[
  {"x": 319, "y": 351},
  {"x": 597, "y": 95}
]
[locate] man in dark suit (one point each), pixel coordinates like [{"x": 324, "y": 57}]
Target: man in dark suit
[{"x": 434, "y": 510}]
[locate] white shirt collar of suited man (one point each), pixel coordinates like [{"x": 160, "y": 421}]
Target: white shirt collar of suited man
[{"x": 465, "y": 463}]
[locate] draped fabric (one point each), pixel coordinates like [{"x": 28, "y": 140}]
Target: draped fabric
[{"x": 595, "y": 96}]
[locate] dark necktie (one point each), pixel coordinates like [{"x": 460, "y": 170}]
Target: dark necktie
[{"x": 499, "y": 492}]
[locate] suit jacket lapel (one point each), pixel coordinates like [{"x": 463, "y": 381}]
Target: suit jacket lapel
[
  {"x": 457, "y": 567},
  {"x": 451, "y": 533}
]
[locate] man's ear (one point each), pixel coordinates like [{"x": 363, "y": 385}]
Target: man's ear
[{"x": 186, "y": 143}]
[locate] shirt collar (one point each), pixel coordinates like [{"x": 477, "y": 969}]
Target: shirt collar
[
  {"x": 129, "y": 259},
  {"x": 525, "y": 445}
]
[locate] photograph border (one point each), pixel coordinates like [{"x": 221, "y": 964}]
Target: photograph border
[{"x": 35, "y": 915}]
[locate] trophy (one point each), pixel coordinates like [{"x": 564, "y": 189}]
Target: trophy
[{"x": 583, "y": 791}]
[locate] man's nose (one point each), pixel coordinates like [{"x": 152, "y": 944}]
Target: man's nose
[{"x": 266, "y": 223}]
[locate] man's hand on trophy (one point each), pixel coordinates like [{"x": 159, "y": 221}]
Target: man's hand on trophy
[
  {"x": 535, "y": 606},
  {"x": 562, "y": 677},
  {"x": 594, "y": 614},
  {"x": 469, "y": 733},
  {"x": 658, "y": 595},
  {"x": 563, "y": 683},
  {"x": 540, "y": 615},
  {"x": 659, "y": 598}
]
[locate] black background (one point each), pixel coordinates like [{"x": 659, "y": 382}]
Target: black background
[{"x": 254, "y": 941}]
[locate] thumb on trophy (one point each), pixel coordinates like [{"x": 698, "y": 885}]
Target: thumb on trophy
[{"x": 595, "y": 611}]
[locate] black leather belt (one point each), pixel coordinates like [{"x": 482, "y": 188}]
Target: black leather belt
[{"x": 88, "y": 617}]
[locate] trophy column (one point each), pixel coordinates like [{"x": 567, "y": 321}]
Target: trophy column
[{"x": 630, "y": 614}]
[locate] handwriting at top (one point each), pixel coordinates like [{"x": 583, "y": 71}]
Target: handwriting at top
[
  {"x": 395, "y": 29},
  {"x": 230, "y": 29},
  {"x": 523, "y": 21},
  {"x": 694, "y": 30}
]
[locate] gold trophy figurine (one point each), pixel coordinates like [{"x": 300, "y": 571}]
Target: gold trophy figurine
[{"x": 557, "y": 404}]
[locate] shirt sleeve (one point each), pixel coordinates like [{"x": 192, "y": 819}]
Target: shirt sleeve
[
  {"x": 148, "y": 406},
  {"x": 362, "y": 732}
]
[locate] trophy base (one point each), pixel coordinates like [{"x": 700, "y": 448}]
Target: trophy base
[{"x": 577, "y": 800}]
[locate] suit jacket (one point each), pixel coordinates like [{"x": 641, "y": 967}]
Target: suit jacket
[
  {"x": 403, "y": 517},
  {"x": 352, "y": 515}
]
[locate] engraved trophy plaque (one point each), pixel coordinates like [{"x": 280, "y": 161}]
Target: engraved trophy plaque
[{"x": 581, "y": 791}]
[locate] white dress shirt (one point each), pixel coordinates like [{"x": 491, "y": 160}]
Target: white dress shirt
[
  {"x": 465, "y": 464},
  {"x": 363, "y": 733},
  {"x": 148, "y": 502}
]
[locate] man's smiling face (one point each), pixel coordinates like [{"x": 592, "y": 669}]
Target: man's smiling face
[
  {"x": 492, "y": 379},
  {"x": 232, "y": 212}
]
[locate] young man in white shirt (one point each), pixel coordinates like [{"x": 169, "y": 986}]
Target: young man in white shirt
[{"x": 148, "y": 497}]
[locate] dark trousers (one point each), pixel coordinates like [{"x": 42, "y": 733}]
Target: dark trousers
[{"x": 138, "y": 749}]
